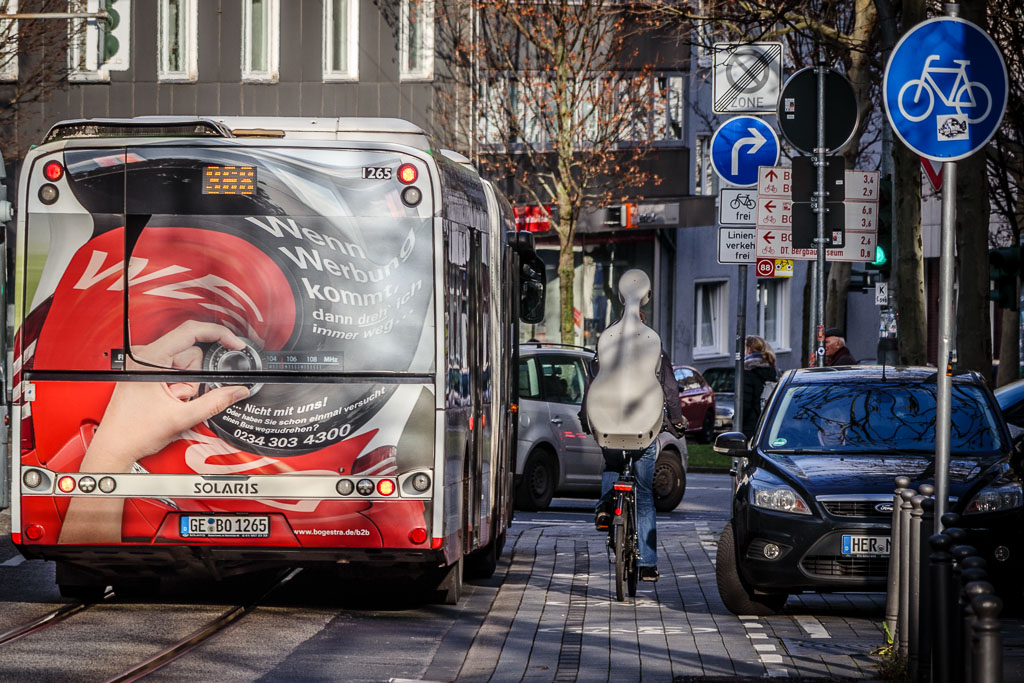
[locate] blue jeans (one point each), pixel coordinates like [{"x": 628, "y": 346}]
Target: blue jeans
[{"x": 643, "y": 472}]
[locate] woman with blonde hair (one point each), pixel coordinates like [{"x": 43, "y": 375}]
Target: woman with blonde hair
[{"x": 758, "y": 371}]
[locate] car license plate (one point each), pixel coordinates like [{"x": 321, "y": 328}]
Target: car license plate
[
  {"x": 865, "y": 545},
  {"x": 225, "y": 526}
]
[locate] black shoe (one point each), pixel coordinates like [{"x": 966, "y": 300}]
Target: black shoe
[
  {"x": 649, "y": 574},
  {"x": 603, "y": 518}
]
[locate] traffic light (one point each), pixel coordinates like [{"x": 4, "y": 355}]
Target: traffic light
[
  {"x": 883, "y": 240},
  {"x": 1003, "y": 270},
  {"x": 110, "y": 44}
]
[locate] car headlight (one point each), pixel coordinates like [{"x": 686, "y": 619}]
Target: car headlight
[
  {"x": 777, "y": 497},
  {"x": 996, "y": 499}
]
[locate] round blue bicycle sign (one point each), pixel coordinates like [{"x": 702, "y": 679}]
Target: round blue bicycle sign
[{"x": 945, "y": 88}]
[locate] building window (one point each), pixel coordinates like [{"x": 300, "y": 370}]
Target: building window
[
  {"x": 668, "y": 108},
  {"x": 9, "y": 42},
  {"x": 773, "y": 312},
  {"x": 709, "y": 318},
  {"x": 341, "y": 40},
  {"x": 177, "y": 26},
  {"x": 260, "y": 40},
  {"x": 98, "y": 44},
  {"x": 417, "y": 40},
  {"x": 703, "y": 173}
]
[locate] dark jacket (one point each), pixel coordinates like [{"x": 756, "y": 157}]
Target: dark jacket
[
  {"x": 669, "y": 387},
  {"x": 756, "y": 372},
  {"x": 842, "y": 356}
]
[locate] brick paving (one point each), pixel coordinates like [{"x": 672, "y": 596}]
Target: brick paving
[{"x": 551, "y": 615}]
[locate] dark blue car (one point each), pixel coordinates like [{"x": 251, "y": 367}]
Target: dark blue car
[{"x": 812, "y": 506}]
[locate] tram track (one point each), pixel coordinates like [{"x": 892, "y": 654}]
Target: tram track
[{"x": 165, "y": 656}]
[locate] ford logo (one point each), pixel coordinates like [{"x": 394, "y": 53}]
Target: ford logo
[{"x": 884, "y": 507}]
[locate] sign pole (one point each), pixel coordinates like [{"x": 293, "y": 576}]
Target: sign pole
[
  {"x": 741, "y": 340},
  {"x": 944, "y": 380},
  {"x": 820, "y": 208},
  {"x": 945, "y": 359}
]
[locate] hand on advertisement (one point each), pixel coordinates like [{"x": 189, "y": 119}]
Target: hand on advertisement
[{"x": 143, "y": 417}]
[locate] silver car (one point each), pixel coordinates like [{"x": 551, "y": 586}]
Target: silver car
[{"x": 555, "y": 455}]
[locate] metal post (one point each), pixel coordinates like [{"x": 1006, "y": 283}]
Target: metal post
[
  {"x": 914, "y": 592},
  {"x": 903, "y": 622},
  {"x": 892, "y": 594},
  {"x": 941, "y": 571},
  {"x": 945, "y": 360},
  {"x": 819, "y": 161},
  {"x": 974, "y": 584},
  {"x": 987, "y": 656},
  {"x": 741, "y": 340},
  {"x": 924, "y": 642},
  {"x": 956, "y": 623}
]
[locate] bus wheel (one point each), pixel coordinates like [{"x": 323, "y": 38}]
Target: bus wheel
[
  {"x": 76, "y": 584},
  {"x": 449, "y": 588},
  {"x": 481, "y": 563},
  {"x": 537, "y": 485}
]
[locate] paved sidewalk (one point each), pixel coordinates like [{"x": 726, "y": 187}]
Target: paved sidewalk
[{"x": 555, "y": 618}]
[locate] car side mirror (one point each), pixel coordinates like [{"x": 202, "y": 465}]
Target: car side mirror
[{"x": 732, "y": 444}]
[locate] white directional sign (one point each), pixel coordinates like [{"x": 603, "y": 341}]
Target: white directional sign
[
  {"x": 736, "y": 207},
  {"x": 736, "y": 245},
  {"x": 775, "y": 217},
  {"x": 748, "y": 77}
]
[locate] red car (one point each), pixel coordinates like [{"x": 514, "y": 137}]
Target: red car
[{"x": 698, "y": 401}]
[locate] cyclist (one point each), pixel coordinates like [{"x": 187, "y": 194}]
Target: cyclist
[{"x": 643, "y": 470}]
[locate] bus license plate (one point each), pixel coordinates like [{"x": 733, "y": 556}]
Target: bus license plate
[
  {"x": 865, "y": 545},
  {"x": 225, "y": 526}
]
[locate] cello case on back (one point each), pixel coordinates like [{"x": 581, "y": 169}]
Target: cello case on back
[{"x": 625, "y": 402}]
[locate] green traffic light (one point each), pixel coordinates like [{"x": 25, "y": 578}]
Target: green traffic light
[{"x": 880, "y": 258}]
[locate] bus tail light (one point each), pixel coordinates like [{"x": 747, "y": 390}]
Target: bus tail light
[
  {"x": 66, "y": 484},
  {"x": 421, "y": 481},
  {"x": 53, "y": 171},
  {"x": 418, "y": 536},
  {"x": 407, "y": 174},
  {"x": 34, "y": 532},
  {"x": 436, "y": 543},
  {"x": 385, "y": 487}
]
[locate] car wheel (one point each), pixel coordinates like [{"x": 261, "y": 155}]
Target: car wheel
[
  {"x": 669, "y": 482},
  {"x": 737, "y": 596},
  {"x": 707, "y": 429},
  {"x": 537, "y": 485}
]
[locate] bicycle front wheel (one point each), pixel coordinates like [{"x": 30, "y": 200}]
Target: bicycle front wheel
[
  {"x": 622, "y": 556},
  {"x": 631, "y": 567}
]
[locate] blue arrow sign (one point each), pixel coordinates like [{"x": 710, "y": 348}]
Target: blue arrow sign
[
  {"x": 740, "y": 146},
  {"x": 945, "y": 88}
]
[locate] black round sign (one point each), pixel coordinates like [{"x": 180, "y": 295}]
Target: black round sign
[{"x": 798, "y": 110}]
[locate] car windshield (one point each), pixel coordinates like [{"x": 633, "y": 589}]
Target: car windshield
[
  {"x": 871, "y": 417},
  {"x": 720, "y": 379}
]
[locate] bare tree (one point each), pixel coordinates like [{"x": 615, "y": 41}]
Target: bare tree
[
  {"x": 34, "y": 61},
  {"x": 562, "y": 98}
]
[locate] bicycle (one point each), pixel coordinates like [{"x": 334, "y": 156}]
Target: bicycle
[
  {"x": 623, "y": 537},
  {"x": 955, "y": 99}
]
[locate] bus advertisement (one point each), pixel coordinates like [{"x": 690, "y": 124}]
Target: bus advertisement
[{"x": 245, "y": 343}]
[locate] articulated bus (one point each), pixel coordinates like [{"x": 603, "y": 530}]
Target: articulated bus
[{"x": 249, "y": 343}]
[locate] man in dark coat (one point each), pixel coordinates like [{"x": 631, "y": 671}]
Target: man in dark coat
[{"x": 836, "y": 352}]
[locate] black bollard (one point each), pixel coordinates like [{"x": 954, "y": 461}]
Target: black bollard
[
  {"x": 924, "y": 642},
  {"x": 956, "y": 625},
  {"x": 914, "y": 585},
  {"x": 903, "y": 621},
  {"x": 971, "y": 590},
  {"x": 892, "y": 595},
  {"x": 987, "y": 656},
  {"x": 949, "y": 519},
  {"x": 941, "y": 569}
]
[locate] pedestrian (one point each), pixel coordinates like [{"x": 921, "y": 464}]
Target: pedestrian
[
  {"x": 836, "y": 352},
  {"x": 643, "y": 470},
  {"x": 759, "y": 377}
]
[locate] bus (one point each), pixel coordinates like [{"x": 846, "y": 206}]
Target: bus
[{"x": 248, "y": 343}]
